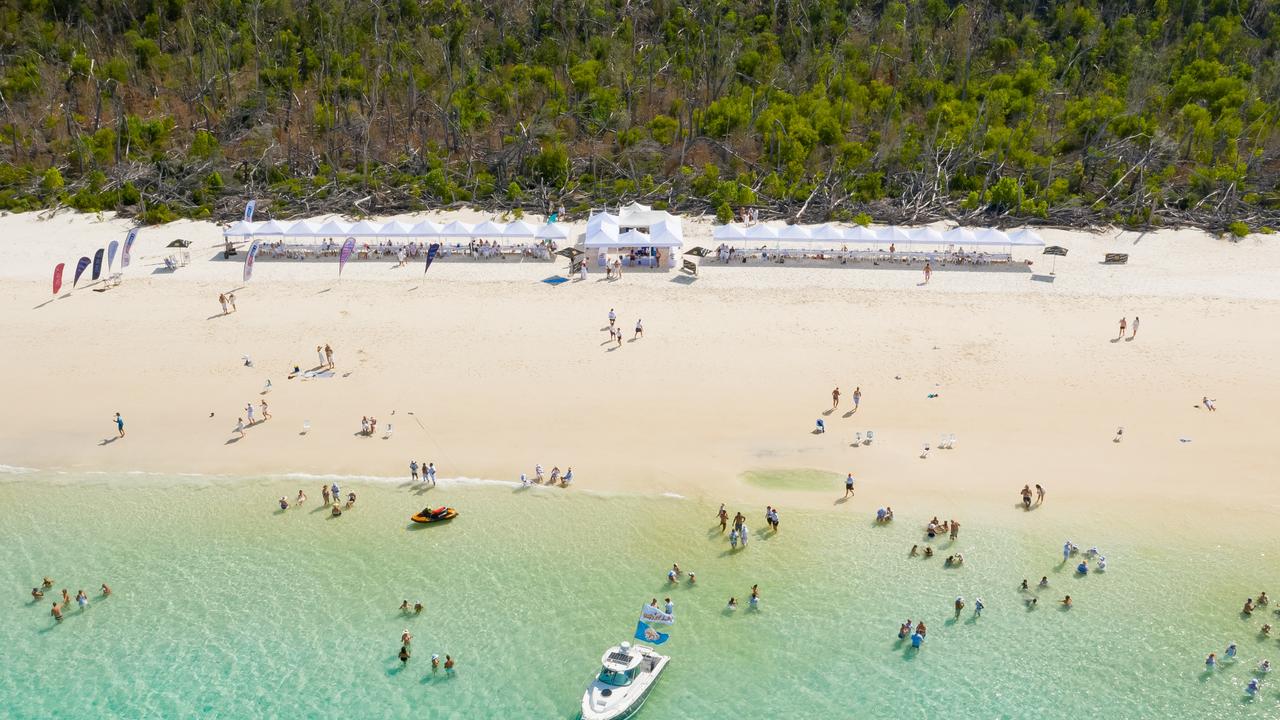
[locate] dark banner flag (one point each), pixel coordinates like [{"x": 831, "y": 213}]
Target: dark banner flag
[
  {"x": 128, "y": 245},
  {"x": 344, "y": 254},
  {"x": 81, "y": 264},
  {"x": 97, "y": 263},
  {"x": 431, "y": 255},
  {"x": 57, "y": 277}
]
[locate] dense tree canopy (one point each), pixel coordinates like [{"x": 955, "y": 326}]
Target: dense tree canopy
[{"x": 1137, "y": 111}]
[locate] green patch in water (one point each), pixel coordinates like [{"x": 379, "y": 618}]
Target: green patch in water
[{"x": 794, "y": 479}]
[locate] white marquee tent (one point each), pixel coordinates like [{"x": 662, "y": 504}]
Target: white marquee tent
[{"x": 334, "y": 228}]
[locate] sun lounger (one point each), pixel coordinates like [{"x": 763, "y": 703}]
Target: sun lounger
[
  {"x": 857, "y": 438},
  {"x": 871, "y": 435},
  {"x": 306, "y": 426},
  {"x": 1115, "y": 259}
]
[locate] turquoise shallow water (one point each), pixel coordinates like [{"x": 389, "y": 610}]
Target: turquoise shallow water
[{"x": 225, "y": 608}]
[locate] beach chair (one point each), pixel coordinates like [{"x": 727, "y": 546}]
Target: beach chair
[
  {"x": 169, "y": 264},
  {"x": 389, "y": 431},
  {"x": 951, "y": 441},
  {"x": 822, "y": 427},
  {"x": 925, "y": 452},
  {"x": 871, "y": 435},
  {"x": 857, "y": 438},
  {"x": 1115, "y": 259},
  {"x": 306, "y": 426}
]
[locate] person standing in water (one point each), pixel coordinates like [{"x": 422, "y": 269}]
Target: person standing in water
[
  {"x": 724, "y": 518},
  {"x": 413, "y": 470},
  {"x": 959, "y": 606}
]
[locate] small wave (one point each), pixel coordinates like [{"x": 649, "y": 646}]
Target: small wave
[
  {"x": 16, "y": 470},
  {"x": 677, "y": 496}
]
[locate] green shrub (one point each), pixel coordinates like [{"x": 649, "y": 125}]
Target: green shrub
[{"x": 1238, "y": 229}]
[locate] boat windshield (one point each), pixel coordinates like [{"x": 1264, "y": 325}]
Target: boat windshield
[{"x": 617, "y": 679}]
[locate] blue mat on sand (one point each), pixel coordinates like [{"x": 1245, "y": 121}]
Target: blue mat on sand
[{"x": 556, "y": 280}]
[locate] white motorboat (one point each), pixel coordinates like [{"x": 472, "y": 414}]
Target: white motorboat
[{"x": 627, "y": 674}]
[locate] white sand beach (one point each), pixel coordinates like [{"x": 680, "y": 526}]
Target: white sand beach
[{"x": 485, "y": 370}]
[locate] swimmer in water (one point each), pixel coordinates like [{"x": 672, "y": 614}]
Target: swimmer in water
[
  {"x": 915, "y": 550},
  {"x": 1102, "y": 563},
  {"x": 928, "y": 551},
  {"x": 1024, "y": 587},
  {"x": 1264, "y": 666},
  {"x": 302, "y": 497},
  {"x": 904, "y": 629},
  {"x": 351, "y": 499},
  {"x": 1031, "y": 602},
  {"x": 106, "y": 590},
  {"x": 66, "y": 599},
  {"x": 733, "y": 603},
  {"x": 417, "y": 608},
  {"x": 920, "y": 629},
  {"x": 435, "y": 662},
  {"x": 1066, "y": 601},
  {"x": 1231, "y": 651},
  {"x": 1211, "y": 662},
  {"x": 670, "y": 607},
  {"x": 82, "y": 599},
  {"x": 56, "y": 612},
  {"x": 406, "y": 637},
  {"x": 1252, "y": 687},
  {"x": 671, "y": 576},
  {"x": 977, "y": 607},
  {"x": 448, "y": 661},
  {"x": 36, "y": 594},
  {"x": 1262, "y": 599},
  {"x": 691, "y": 577},
  {"x": 1266, "y": 629},
  {"x": 1248, "y": 607},
  {"x": 1044, "y": 581},
  {"x": 284, "y": 504},
  {"x": 47, "y": 582},
  {"x": 404, "y": 654},
  {"x": 335, "y": 511},
  {"x": 404, "y": 606},
  {"x": 959, "y": 606},
  {"x": 1083, "y": 567},
  {"x": 1066, "y": 550},
  {"x": 733, "y": 538}
]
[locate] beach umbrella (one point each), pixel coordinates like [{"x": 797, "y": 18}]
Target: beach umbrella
[
  {"x": 893, "y": 234},
  {"x": 1056, "y": 251},
  {"x": 364, "y": 228},
  {"x": 179, "y": 243},
  {"x": 698, "y": 251},
  {"x": 426, "y": 228},
  {"x": 520, "y": 229},
  {"x": 570, "y": 252},
  {"x": 551, "y": 231},
  {"x": 728, "y": 232}
]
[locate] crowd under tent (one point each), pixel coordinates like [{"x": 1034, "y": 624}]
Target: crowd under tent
[{"x": 637, "y": 236}]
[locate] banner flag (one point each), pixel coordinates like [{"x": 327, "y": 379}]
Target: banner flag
[
  {"x": 649, "y": 635},
  {"x": 249, "y": 258},
  {"x": 97, "y": 263},
  {"x": 81, "y": 264},
  {"x": 431, "y": 255},
  {"x": 248, "y": 210},
  {"x": 654, "y": 615},
  {"x": 128, "y": 245},
  {"x": 111, "y": 253},
  {"x": 344, "y": 254},
  {"x": 57, "y": 277}
]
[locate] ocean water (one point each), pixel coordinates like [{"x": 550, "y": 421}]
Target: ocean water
[{"x": 224, "y": 607}]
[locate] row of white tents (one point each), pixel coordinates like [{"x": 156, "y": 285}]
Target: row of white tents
[
  {"x": 960, "y": 236},
  {"x": 396, "y": 229}
]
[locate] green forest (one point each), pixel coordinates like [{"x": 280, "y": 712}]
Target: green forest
[{"x": 1141, "y": 112}]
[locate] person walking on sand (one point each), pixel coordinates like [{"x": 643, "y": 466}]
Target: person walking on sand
[
  {"x": 1123, "y": 325},
  {"x": 431, "y": 472},
  {"x": 613, "y": 317},
  {"x": 1039, "y": 494},
  {"x": 248, "y": 411},
  {"x": 231, "y": 298},
  {"x": 928, "y": 272},
  {"x": 265, "y": 415},
  {"x": 857, "y": 397},
  {"x": 328, "y": 356},
  {"x": 320, "y": 362},
  {"x": 1135, "y": 328},
  {"x": 848, "y": 485},
  {"x": 413, "y": 470},
  {"x": 240, "y": 426},
  {"x": 835, "y": 398},
  {"x": 618, "y": 337},
  {"x": 222, "y": 300},
  {"x": 119, "y": 424},
  {"x": 324, "y": 493},
  {"x": 639, "y": 330}
]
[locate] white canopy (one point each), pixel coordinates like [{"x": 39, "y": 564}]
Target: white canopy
[
  {"x": 396, "y": 228},
  {"x": 960, "y": 236},
  {"x": 927, "y": 236},
  {"x": 271, "y": 227},
  {"x": 520, "y": 228},
  {"x": 240, "y": 229},
  {"x": 333, "y": 228},
  {"x": 426, "y": 228},
  {"x": 456, "y": 229},
  {"x": 762, "y": 232},
  {"x": 795, "y": 232},
  {"x": 727, "y": 232},
  {"x": 488, "y": 229},
  {"x": 302, "y": 228},
  {"x": 991, "y": 236},
  {"x": 829, "y": 232},
  {"x": 893, "y": 234},
  {"x": 1026, "y": 236},
  {"x": 550, "y": 231},
  {"x": 364, "y": 228},
  {"x": 637, "y": 215},
  {"x": 859, "y": 233}
]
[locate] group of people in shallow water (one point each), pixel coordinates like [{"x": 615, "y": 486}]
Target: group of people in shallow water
[
  {"x": 81, "y": 599},
  {"x": 332, "y": 495},
  {"x": 753, "y": 602},
  {"x": 406, "y": 640},
  {"x": 556, "y": 478},
  {"x": 1070, "y": 549},
  {"x": 740, "y": 532}
]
